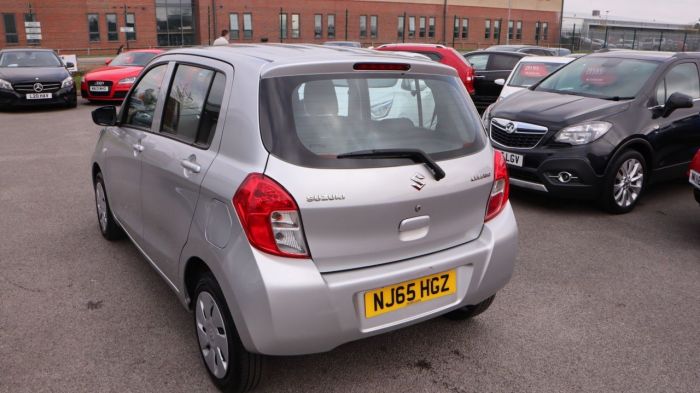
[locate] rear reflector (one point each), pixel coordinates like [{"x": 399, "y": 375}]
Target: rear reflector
[
  {"x": 500, "y": 188},
  {"x": 381, "y": 67}
]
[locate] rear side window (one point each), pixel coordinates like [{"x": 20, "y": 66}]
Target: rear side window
[
  {"x": 502, "y": 62},
  {"x": 478, "y": 62},
  {"x": 310, "y": 120},
  {"x": 682, "y": 78},
  {"x": 144, "y": 97},
  {"x": 192, "y": 108}
]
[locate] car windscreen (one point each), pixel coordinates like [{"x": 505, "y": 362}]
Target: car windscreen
[
  {"x": 29, "y": 59},
  {"x": 133, "y": 59},
  {"x": 529, "y": 73},
  {"x": 601, "y": 77},
  {"x": 310, "y": 120}
]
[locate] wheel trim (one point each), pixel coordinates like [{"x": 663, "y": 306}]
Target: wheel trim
[
  {"x": 629, "y": 181},
  {"x": 101, "y": 203},
  {"x": 211, "y": 334}
]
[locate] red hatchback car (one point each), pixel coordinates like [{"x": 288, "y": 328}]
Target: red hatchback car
[
  {"x": 694, "y": 175},
  {"x": 441, "y": 54},
  {"x": 113, "y": 81}
]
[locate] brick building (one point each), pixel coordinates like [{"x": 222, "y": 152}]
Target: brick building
[{"x": 98, "y": 26}]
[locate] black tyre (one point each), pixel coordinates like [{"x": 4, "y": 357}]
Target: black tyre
[
  {"x": 105, "y": 220},
  {"x": 624, "y": 183},
  {"x": 230, "y": 366},
  {"x": 468, "y": 312}
]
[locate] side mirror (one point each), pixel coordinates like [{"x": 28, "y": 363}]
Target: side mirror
[
  {"x": 500, "y": 81},
  {"x": 108, "y": 61},
  {"x": 676, "y": 101},
  {"x": 105, "y": 116},
  {"x": 70, "y": 65}
]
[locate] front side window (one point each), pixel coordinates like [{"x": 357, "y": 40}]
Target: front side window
[
  {"x": 310, "y": 120},
  {"x": 112, "y": 32},
  {"x": 184, "y": 114},
  {"x": 682, "y": 78},
  {"x": 10, "y": 28},
  {"x": 295, "y": 25},
  {"x": 318, "y": 26},
  {"x": 138, "y": 111},
  {"x": 234, "y": 33},
  {"x": 93, "y": 27},
  {"x": 601, "y": 77},
  {"x": 373, "y": 26},
  {"x": 478, "y": 62},
  {"x": 248, "y": 26}
]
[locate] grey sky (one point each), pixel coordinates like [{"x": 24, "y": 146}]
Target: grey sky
[{"x": 674, "y": 11}]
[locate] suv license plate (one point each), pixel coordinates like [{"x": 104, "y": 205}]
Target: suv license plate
[
  {"x": 694, "y": 179},
  {"x": 99, "y": 88},
  {"x": 39, "y": 96},
  {"x": 383, "y": 300},
  {"x": 512, "y": 158}
]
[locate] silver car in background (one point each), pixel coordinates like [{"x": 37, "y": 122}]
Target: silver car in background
[{"x": 299, "y": 197}]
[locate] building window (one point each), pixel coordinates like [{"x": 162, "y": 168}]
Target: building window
[
  {"x": 318, "y": 26},
  {"x": 131, "y": 22},
  {"x": 373, "y": 26},
  {"x": 421, "y": 27},
  {"x": 545, "y": 31},
  {"x": 331, "y": 25},
  {"x": 94, "y": 27},
  {"x": 519, "y": 30},
  {"x": 363, "y": 26},
  {"x": 112, "y": 32},
  {"x": 497, "y": 29},
  {"x": 175, "y": 23},
  {"x": 431, "y": 27},
  {"x": 411, "y": 26},
  {"x": 537, "y": 31},
  {"x": 487, "y": 28},
  {"x": 295, "y": 25},
  {"x": 510, "y": 30},
  {"x": 283, "y": 26},
  {"x": 234, "y": 32},
  {"x": 248, "y": 25},
  {"x": 455, "y": 33},
  {"x": 401, "y": 27},
  {"x": 465, "y": 28},
  {"x": 10, "y": 29},
  {"x": 31, "y": 18}
]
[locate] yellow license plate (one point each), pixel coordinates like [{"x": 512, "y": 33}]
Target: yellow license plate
[{"x": 383, "y": 300}]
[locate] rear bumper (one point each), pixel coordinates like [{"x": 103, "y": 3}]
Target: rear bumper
[
  {"x": 285, "y": 307},
  {"x": 63, "y": 97}
]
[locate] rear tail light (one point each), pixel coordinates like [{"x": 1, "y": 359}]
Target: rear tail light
[
  {"x": 270, "y": 217},
  {"x": 469, "y": 80},
  {"x": 500, "y": 188}
]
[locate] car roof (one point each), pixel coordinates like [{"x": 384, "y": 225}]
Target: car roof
[
  {"x": 144, "y": 51},
  {"x": 413, "y": 46},
  {"x": 547, "y": 59},
  {"x": 645, "y": 55},
  {"x": 271, "y": 58},
  {"x": 488, "y": 52},
  {"x": 26, "y": 49}
]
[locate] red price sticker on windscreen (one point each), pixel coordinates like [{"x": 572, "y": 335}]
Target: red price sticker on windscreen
[
  {"x": 534, "y": 70},
  {"x": 598, "y": 76}
]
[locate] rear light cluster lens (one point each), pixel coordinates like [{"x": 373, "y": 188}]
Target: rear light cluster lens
[
  {"x": 270, "y": 217},
  {"x": 500, "y": 189}
]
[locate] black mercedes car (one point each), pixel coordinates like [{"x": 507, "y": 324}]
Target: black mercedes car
[
  {"x": 602, "y": 127},
  {"x": 34, "y": 77}
]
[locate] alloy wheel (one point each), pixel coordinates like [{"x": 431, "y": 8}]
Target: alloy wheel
[
  {"x": 101, "y": 202},
  {"x": 211, "y": 333},
  {"x": 629, "y": 181}
]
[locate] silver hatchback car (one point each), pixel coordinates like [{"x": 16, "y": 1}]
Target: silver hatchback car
[{"x": 299, "y": 197}]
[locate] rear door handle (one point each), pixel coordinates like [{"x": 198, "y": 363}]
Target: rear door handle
[
  {"x": 191, "y": 165},
  {"x": 138, "y": 148}
]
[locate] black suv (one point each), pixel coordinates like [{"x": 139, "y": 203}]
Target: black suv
[
  {"x": 602, "y": 127},
  {"x": 32, "y": 76}
]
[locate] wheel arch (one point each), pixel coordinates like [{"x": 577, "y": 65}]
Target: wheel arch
[
  {"x": 95, "y": 170},
  {"x": 194, "y": 268},
  {"x": 637, "y": 143}
]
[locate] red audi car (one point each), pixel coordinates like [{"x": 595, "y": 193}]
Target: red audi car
[
  {"x": 694, "y": 175},
  {"x": 113, "y": 81},
  {"x": 441, "y": 54}
]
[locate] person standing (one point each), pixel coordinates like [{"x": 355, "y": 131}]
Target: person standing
[{"x": 223, "y": 40}]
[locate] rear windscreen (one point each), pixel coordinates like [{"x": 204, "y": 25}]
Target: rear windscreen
[{"x": 310, "y": 120}]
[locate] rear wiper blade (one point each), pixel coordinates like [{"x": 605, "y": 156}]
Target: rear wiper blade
[
  {"x": 416, "y": 155},
  {"x": 618, "y": 98}
]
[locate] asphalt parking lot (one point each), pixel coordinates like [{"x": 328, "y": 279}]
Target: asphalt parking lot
[{"x": 598, "y": 303}]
